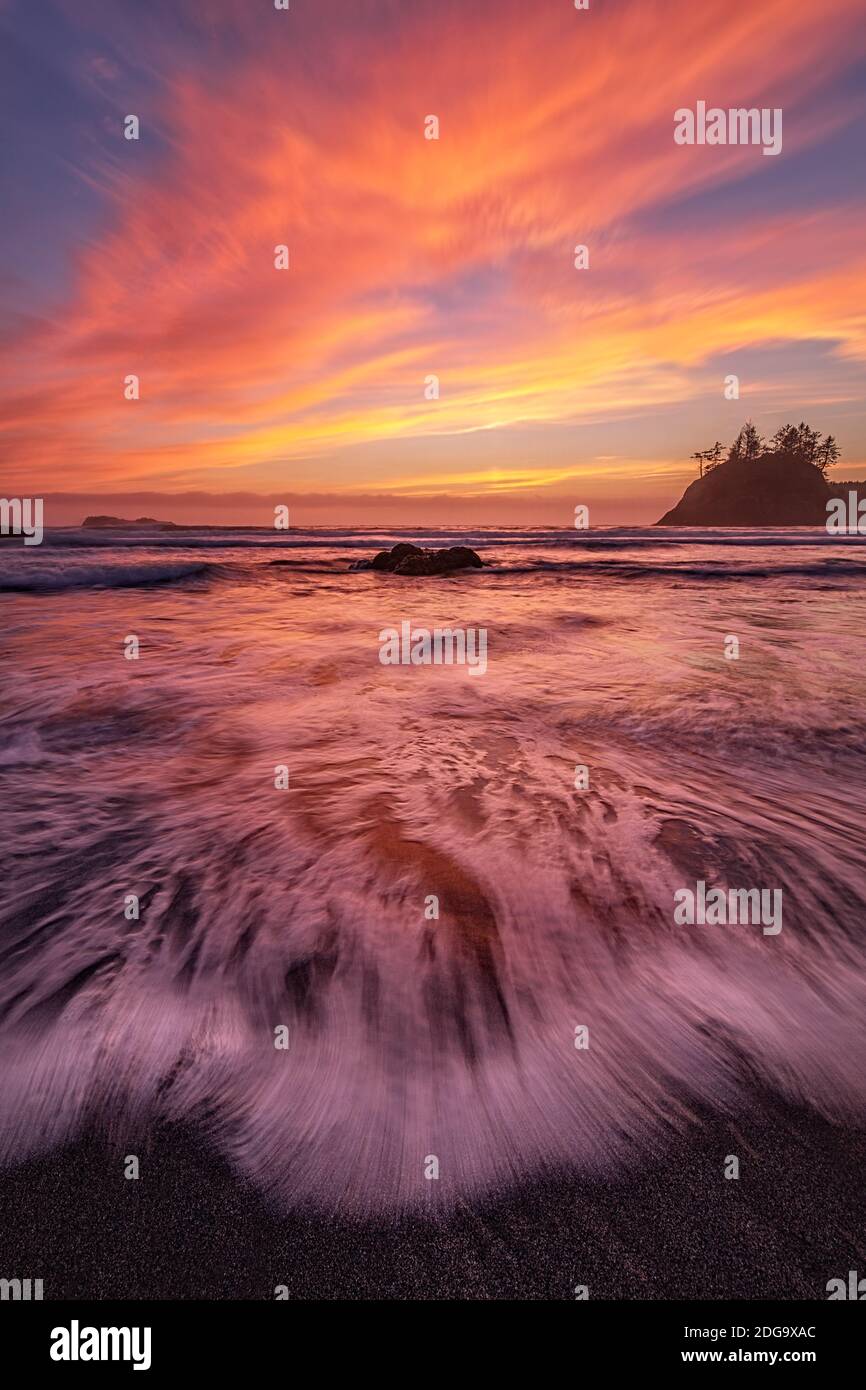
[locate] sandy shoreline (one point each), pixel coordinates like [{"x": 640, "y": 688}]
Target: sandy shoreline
[{"x": 189, "y": 1228}]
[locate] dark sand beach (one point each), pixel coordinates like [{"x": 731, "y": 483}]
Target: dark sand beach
[{"x": 672, "y": 1229}]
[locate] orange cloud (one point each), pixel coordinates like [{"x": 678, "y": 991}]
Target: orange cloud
[{"x": 412, "y": 257}]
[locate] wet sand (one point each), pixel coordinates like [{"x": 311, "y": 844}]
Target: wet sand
[{"x": 190, "y": 1229}]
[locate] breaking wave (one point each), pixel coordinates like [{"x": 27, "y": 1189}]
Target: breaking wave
[
  {"x": 414, "y": 1033},
  {"x": 41, "y": 577}
]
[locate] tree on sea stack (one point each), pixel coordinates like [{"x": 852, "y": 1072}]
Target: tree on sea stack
[
  {"x": 710, "y": 457},
  {"x": 802, "y": 442},
  {"x": 784, "y": 441},
  {"x": 748, "y": 443},
  {"x": 827, "y": 454}
]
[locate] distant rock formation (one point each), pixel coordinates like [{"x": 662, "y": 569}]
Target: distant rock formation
[
  {"x": 96, "y": 523},
  {"x": 411, "y": 559},
  {"x": 775, "y": 489}
]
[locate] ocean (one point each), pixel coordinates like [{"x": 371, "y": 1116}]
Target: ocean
[{"x": 343, "y": 918}]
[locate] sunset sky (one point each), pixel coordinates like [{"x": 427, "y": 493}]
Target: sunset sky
[{"x": 411, "y": 257}]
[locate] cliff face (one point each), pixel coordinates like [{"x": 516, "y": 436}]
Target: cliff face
[{"x": 774, "y": 490}]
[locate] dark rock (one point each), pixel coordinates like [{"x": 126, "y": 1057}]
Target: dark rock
[
  {"x": 411, "y": 560},
  {"x": 390, "y": 559},
  {"x": 100, "y": 522},
  {"x": 458, "y": 557},
  {"x": 772, "y": 490}
]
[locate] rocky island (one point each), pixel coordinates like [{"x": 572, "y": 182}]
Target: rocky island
[
  {"x": 780, "y": 482},
  {"x": 97, "y": 523}
]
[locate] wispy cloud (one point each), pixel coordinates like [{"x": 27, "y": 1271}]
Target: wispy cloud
[{"x": 412, "y": 257}]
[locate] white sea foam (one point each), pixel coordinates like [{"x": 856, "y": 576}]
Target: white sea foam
[{"x": 305, "y": 907}]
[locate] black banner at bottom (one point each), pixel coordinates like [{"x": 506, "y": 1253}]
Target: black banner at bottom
[{"x": 161, "y": 1339}]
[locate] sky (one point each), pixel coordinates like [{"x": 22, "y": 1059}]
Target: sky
[{"x": 411, "y": 258}]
